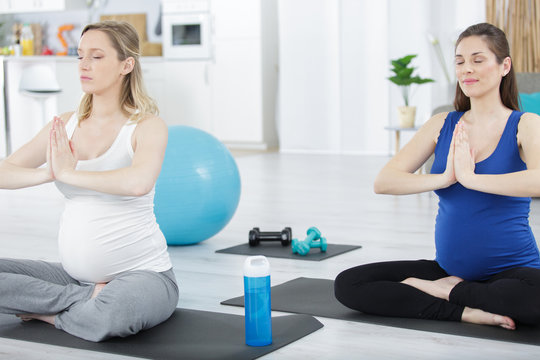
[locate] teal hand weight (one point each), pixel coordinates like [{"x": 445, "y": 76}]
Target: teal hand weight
[{"x": 313, "y": 240}]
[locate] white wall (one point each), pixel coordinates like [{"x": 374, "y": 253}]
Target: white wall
[
  {"x": 364, "y": 96},
  {"x": 334, "y": 55},
  {"x": 334, "y": 95},
  {"x": 309, "y": 93},
  {"x": 448, "y": 20},
  {"x": 409, "y": 22},
  {"x": 330, "y": 93}
]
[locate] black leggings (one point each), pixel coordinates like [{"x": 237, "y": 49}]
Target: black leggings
[{"x": 377, "y": 289}]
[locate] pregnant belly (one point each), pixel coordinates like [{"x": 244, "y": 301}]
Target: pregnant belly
[{"x": 97, "y": 246}]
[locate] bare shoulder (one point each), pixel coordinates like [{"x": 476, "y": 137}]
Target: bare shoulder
[
  {"x": 151, "y": 127},
  {"x": 437, "y": 120},
  {"x": 152, "y": 121},
  {"x": 433, "y": 126},
  {"x": 528, "y": 129},
  {"x": 65, "y": 117},
  {"x": 529, "y": 121}
]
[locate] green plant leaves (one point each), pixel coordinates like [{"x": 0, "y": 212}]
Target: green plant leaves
[{"x": 404, "y": 75}]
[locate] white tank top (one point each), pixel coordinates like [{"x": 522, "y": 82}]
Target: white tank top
[{"x": 102, "y": 235}]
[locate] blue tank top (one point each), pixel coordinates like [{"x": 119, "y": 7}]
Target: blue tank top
[{"x": 477, "y": 234}]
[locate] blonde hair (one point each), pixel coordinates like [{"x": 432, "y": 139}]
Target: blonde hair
[{"x": 134, "y": 100}]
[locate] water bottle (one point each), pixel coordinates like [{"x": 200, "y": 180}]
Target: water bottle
[
  {"x": 27, "y": 40},
  {"x": 257, "y": 301}
]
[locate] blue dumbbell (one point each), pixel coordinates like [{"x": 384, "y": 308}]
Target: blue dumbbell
[{"x": 313, "y": 240}]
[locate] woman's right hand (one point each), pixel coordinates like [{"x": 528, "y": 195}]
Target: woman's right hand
[
  {"x": 449, "y": 173},
  {"x": 399, "y": 176},
  {"x": 62, "y": 157},
  {"x": 49, "y": 162}
]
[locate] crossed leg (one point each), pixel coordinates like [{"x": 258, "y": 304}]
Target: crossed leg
[
  {"x": 43, "y": 291},
  {"x": 441, "y": 288},
  {"x": 422, "y": 289},
  {"x": 50, "y": 318}
]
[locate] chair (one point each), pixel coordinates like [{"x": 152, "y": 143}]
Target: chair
[{"x": 39, "y": 82}]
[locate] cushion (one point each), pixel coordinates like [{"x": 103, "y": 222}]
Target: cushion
[{"x": 530, "y": 102}]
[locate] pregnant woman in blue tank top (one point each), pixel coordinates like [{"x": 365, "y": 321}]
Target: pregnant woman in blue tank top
[{"x": 486, "y": 168}]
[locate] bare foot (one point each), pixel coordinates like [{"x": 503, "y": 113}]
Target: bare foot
[
  {"x": 45, "y": 318},
  {"x": 50, "y": 318},
  {"x": 97, "y": 289},
  {"x": 439, "y": 288},
  {"x": 477, "y": 316}
]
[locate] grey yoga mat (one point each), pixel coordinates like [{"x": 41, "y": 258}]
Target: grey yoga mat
[
  {"x": 277, "y": 251},
  {"x": 316, "y": 297},
  {"x": 188, "y": 334}
]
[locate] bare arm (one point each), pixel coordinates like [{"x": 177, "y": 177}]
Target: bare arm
[
  {"x": 398, "y": 176},
  {"x": 138, "y": 179},
  {"x": 22, "y": 168},
  {"x": 522, "y": 183}
]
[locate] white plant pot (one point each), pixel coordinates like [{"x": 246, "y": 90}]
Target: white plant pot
[{"x": 406, "y": 116}]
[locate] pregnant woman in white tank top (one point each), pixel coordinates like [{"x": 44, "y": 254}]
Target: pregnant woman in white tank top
[{"x": 115, "y": 277}]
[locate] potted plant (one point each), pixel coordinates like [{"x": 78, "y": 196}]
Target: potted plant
[{"x": 404, "y": 78}]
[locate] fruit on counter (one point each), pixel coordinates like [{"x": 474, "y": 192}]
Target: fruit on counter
[{"x": 46, "y": 51}]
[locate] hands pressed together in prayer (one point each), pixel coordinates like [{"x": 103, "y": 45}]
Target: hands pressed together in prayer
[
  {"x": 460, "y": 163},
  {"x": 61, "y": 155}
]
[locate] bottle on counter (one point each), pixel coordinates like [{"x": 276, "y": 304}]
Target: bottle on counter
[
  {"x": 257, "y": 301},
  {"x": 15, "y": 49},
  {"x": 27, "y": 40}
]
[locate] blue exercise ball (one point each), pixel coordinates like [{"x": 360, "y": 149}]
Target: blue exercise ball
[{"x": 198, "y": 189}]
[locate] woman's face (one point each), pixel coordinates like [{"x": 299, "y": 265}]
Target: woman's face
[
  {"x": 99, "y": 67},
  {"x": 477, "y": 69}
]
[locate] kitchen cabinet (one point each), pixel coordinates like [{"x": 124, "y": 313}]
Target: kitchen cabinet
[
  {"x": 232, "y": 95},
  {"x": 67, "y": 74},
  {"x": 187, "y": 99},
  {"x": 181, "y": 90},
  {"x": 22, "y": 6},
  {"x": 154, "y": 80},
  {"x": 225, "y": 97},
  {"x": 25, "y": 113},
  {"x": 244, "y": 72},
  {"x": 237, "y": 92},
  {"x": 230, "y": 23},
  {"x": 68, "y": 79}
]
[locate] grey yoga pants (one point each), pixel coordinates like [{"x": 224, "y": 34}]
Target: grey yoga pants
[{"x": 132, "y": 301}]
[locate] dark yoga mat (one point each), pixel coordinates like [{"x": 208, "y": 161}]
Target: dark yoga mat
[
  {"x": 188, "y": 334},
  {"x": 316, "y": 297},
  {"x": 277, "y": 251}
]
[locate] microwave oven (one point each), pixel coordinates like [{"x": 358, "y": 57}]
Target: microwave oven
[{"x": 186, "y": 36}]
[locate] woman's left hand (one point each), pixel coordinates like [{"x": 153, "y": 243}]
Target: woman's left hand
[
  {"x": 62, "y": 155},
  {"x": 464, "y": 162}
]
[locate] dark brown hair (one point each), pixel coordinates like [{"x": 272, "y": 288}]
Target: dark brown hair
[{"x": 496, "y": 41}]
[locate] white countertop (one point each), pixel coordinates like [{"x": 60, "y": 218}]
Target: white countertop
[{"x": 64, "y": 58}]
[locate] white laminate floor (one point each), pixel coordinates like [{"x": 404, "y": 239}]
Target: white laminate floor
[{"x": 331, "y": 192}]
